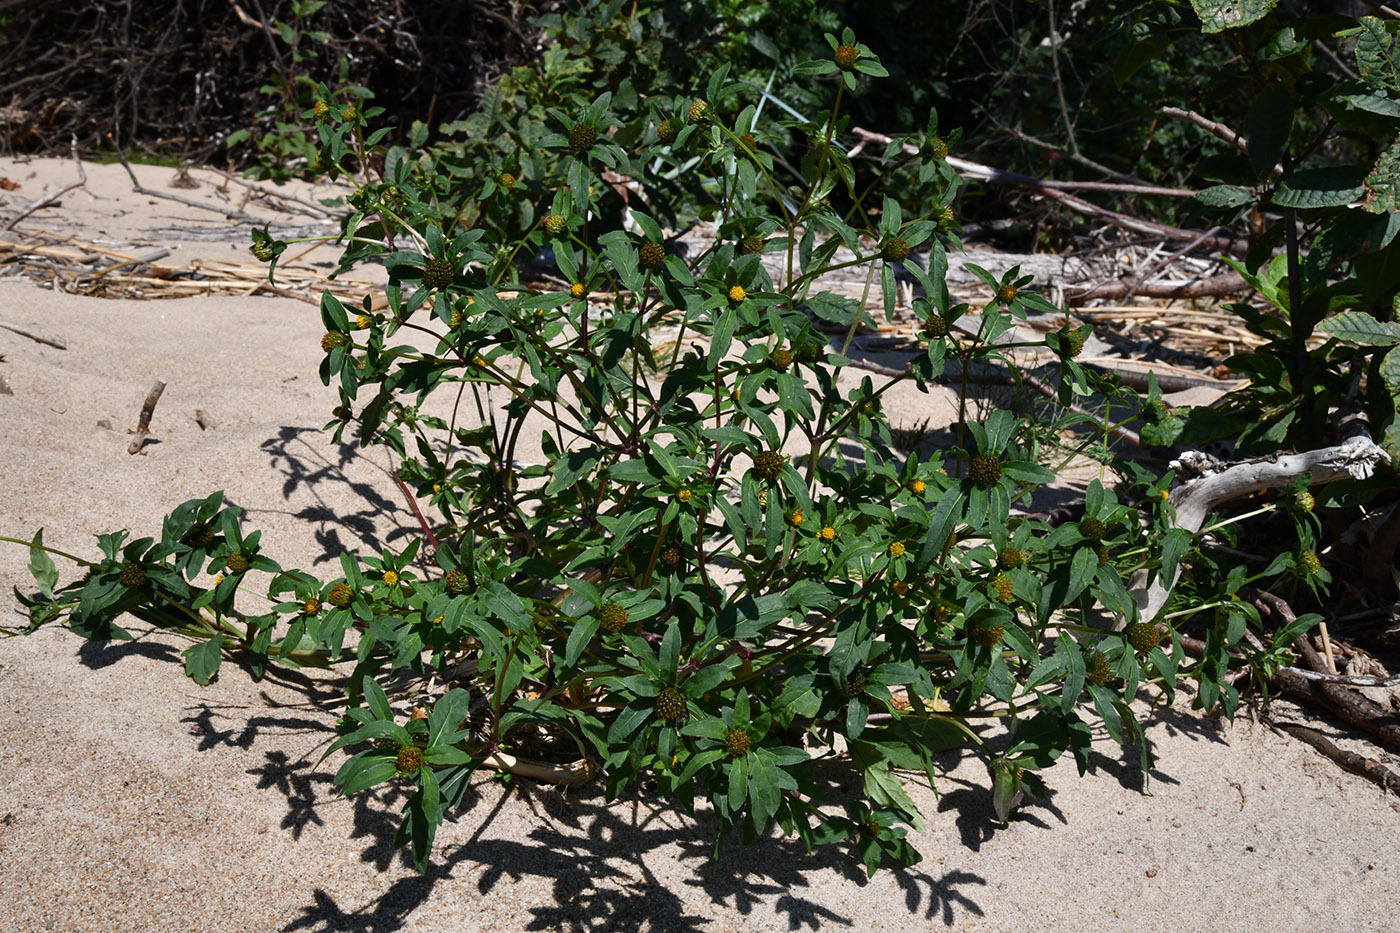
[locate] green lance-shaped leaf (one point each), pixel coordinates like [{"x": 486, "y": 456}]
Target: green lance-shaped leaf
[{"x": 41, "y": 566}]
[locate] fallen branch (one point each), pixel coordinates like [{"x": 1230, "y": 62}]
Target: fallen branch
[
  {"x": 1368, "y": 768},
  {"x": 307, "y": 207},
  {"x": 40, "y": 338},
  {"x": 1354, "y": 458},
  {"x": 570, "y": 775},
  {"x": 1352, "y": 707},
  {"x": 1058, "y": 191},
  {"x": 1142, "y": 279},
  {"x": 230, "y": 214},
  {"x": 53, "y": 198},
  {"x": 143, "y": 426},
  {"x": 1215, "y": 286},
  {"x": 1345, "y": 680},
  {"x": 1218, "y": 130}
]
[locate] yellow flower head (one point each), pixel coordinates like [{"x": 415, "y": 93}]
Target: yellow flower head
[
  {"x": 577, "y": 290},
  {"x": 897, "y": 549},
  {"x": 737, "y": 294},
  {"x": 828, "y": 533},
  {"x": 683, "y": 494},
  {"x": 391, "y": 578}
]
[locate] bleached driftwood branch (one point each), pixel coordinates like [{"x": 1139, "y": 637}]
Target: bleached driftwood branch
[
  {"x": 1057, "y": 191},
  {"x": 1354, "y": 458}
]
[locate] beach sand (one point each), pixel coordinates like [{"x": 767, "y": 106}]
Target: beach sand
[{"x": 133, "y": 799}]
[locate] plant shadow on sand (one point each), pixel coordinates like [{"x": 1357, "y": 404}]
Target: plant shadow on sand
[
  {"x": 596, "y": 857},
  {"x": 306, "y": 460},
  {"x": 599, "y": 858}
]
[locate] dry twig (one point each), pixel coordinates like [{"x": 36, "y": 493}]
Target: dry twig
[
  {"x": 143, "y": 426},
  {"x": 53, "y": 198},
  {"x": 40, "y": 338},
  {"x": 1369, "y": 768}
]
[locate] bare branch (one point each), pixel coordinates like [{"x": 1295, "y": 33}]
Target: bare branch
[
  {"x": 53, "y": 198},
  {"x": 143, "y": 426}
]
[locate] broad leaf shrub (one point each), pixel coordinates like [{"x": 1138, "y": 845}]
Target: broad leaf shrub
[
  {"x": 1321, "y": 168},
  {"x": 724, "y": 572}
]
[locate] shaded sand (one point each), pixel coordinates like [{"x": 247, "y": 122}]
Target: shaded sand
[{"x": 131, "y": 799}]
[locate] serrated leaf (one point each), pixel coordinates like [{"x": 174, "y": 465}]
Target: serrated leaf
[
  {"x": 1371, "y": 101},
  {"x": 367, "y": 773},
  {"x": 883, "y": 786},
  {"x": 447, "y": 713},
  {"x": 1383, "y": 182},
  {"x": 764, "y": 791},
  {"x": 377, "y": 701},
  {"x": 1220, "y": 15},
  {"x": 1374, "y": 62},
  {"x": 1104, "y": 701},
  {"x": 1320, "y": 187},
  {"x": 1174, "y": 545},
  {"x": 1390, "y": 372},
  {"x": 1222, "y": 196},
  {"x": 579, "y": 636},
  {"x": 1359, "y": 327}
]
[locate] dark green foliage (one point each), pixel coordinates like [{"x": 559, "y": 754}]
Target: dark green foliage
[{"x": 669, "y": 592}]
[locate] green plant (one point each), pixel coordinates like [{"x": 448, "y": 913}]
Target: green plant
[
  {"x": 699, "y": 585},
  {"x": 1318, "y": 144},
  {"x": 283, "y": 136}
]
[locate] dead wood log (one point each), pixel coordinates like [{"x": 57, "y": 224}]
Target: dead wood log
[
  {"x": 1369, "y": 768},
  {"x": 1215, "y": 286}
]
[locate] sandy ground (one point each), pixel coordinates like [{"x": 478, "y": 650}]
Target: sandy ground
[{"x": 131, "y": 799}]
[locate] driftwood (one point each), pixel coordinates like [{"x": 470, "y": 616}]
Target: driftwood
[
  {"x": 1354, "y": 458},
  {"x": 229, "y": 214},
  {"x": 143, "y": 426},
  {"x": 1215, "y": 286},
  {"x": 1351, "y": 707},
  {"x": 1369, "y": 768},
  {"x": 40, "y": 338},
  {"x": 1057, "y": 191},
  {"x": 1323, "y": 690},
  {"x": 570, "y": 775}
]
